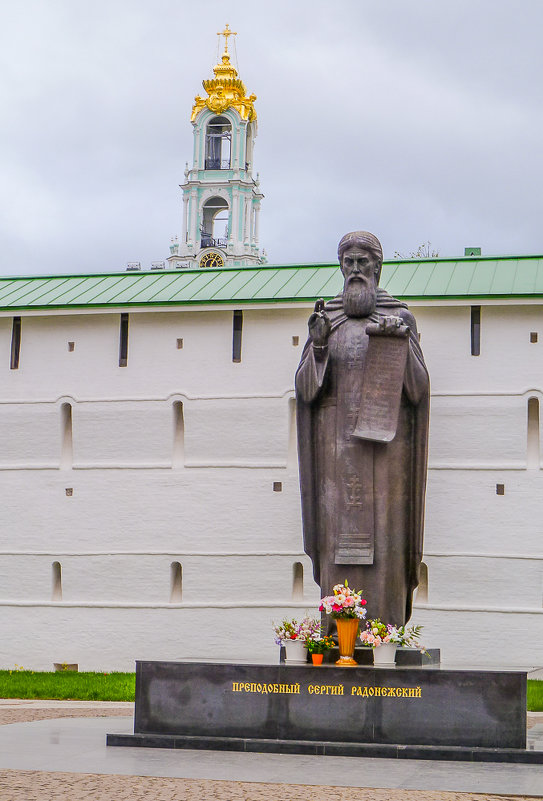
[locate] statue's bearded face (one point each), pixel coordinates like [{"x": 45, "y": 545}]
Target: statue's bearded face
[{"x": 360, "y": 270}]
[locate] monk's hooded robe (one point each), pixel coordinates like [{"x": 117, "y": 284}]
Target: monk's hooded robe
[{"x": 369, "y": 491}]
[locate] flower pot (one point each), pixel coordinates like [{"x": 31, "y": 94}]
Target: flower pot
[
  {"x": 347, "y": 631},
  {"x": 317, "y": 659},
  {"x": 384, "y": 655},
  {"x": 295, "y": 652}
]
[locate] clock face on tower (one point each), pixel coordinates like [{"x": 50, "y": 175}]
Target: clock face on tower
[{"x": 212, "y": 259}]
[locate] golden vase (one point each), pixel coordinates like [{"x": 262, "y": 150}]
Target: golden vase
[{"x": 347, "y": 631}]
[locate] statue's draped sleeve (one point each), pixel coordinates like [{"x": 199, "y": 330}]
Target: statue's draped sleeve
[
  {"x": 310, "y": 378},
  {"x": 417, "y": 390},
  {"x": 311, "y": 373}
]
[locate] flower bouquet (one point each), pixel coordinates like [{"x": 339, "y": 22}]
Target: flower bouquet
[
  {"x": 289, "y": 630},
  {"x": 386, "y": 638},
  {"x": 294, "y": 635},
  {"x": 378, "y": 633},
  {"x": 317, "y": 647},
  {"x": 346, "y": 606}
]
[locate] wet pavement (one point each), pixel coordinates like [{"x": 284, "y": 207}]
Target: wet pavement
[{"x": 59, "y": 752}]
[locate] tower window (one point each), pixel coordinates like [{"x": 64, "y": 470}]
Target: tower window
[
  {"x": 123, "y": 341},
  {"x": 475, "y": 330},
  {"x": 237, "y": 326},
  {"x": 533, "y": 337},
  {"x": 218, "y": 144},
  {"x": 15, "y": 343}
]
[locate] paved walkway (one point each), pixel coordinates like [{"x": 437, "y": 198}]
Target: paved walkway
[{"x": 45, "y": 756}]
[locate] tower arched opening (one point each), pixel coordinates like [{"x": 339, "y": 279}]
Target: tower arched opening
[
  {"x": 214, "y": 231},
  {"x": 218, "y": 144}
]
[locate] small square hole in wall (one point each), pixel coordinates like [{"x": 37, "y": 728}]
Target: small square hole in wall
[
  {"x": 500, "y": 489},
  {"x": 533, "y": 336},
  {"x": 278, "y": 486},
  {"x": 180, "y": 344},
  {"x": 69, "y": 491},
  {"x": 71, "y": 346},
  {"x": 295, "y": 341}
]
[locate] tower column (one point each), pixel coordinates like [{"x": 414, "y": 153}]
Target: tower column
[
  {"x": 257, "y": 217},
  {"x": 247, "y": 233},
  {"x": 235, "y": 215},
  {"x": 185, "y": 217},
  {"x": 194, "y": 218}
]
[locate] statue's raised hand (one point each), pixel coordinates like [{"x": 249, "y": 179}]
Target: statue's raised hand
[
  {"x": 391, "y": 326},
  {"x": 319, "y": 325}
]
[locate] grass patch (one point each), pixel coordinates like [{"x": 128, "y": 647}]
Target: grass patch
[
  {"x": 72, "y": 686},
  {"x": 535, "y": 695},
  {"x": 67, "y": 685}
]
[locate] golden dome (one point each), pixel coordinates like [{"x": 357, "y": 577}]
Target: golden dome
[{"x": 225, "y": 90}]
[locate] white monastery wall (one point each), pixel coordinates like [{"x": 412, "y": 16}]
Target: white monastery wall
[
  {"x": 483, "y": 550},
  {"x": 186, "y": 457}
]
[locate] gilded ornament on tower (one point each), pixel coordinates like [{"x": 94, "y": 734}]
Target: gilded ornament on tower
[{"x": 225, "y": 90}]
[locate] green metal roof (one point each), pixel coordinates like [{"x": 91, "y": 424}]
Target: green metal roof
[{"x": 426, "y": 279}]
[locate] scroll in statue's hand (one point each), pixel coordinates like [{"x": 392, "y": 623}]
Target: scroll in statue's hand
[
  {"x": 388, "y": 326},
  {"x": 319, "y": 325}
]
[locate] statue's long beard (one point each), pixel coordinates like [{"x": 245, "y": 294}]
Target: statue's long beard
[{"x": 359, "y": 298}]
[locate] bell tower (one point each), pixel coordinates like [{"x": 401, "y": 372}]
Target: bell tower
[{"x": 221, "y": 199}]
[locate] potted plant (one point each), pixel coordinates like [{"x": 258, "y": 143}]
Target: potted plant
[
  {"x": 317, "y": 647},
  {"x": 384, "y": 638},
  {"x": 346, "y": 606},
  {"x": 293, "y": 635}
]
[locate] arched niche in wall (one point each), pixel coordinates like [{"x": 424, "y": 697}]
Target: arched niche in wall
[
  {"x": 297, "y": 581},
  {"x": 56, "y": 581},
  {"x": 532, "y": 434},
  {"x": 176, "y": 583},
  {"x": 178, "y": 452},
  {"x": 422, "y": 590},
  {"x": 66, "y": 438}
]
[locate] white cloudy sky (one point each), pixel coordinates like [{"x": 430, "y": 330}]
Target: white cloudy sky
[{"x": 416, "y": 119}]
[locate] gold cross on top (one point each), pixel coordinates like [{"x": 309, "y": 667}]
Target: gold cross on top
[{"x": 226, "y": 33}]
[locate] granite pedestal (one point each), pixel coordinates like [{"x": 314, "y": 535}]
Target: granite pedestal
[{"x": 417, "y": 712}]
